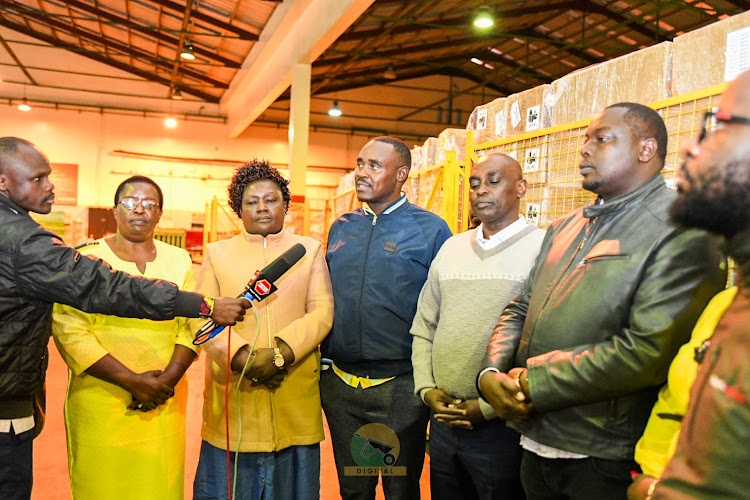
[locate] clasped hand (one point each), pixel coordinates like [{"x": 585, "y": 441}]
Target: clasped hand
[
  {"x": 149, "y": 390},
  {"x": 453, "y": 412},
  {"x": 261, "y": 370},
  {"x": 502, "y": 391}
]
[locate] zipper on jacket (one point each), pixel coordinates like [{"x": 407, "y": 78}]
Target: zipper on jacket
[
  {"x": 268, "y": 327},
  {"x": 362, "y": 286},
  {"x": 585, "y": 260},
  {"x": 612, "y": 409}
]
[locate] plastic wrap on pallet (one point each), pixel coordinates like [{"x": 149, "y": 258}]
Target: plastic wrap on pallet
[
  {"x": 643, "y": 76},
  {"x": 416, "y": 158},
  {"x": 452, "y": 139},
  {"x": 700, "y": 56},
  {"x": 488, "y": 121},
  {"x": 526, "y": 111},
  {"x": 429, "y": 152}
]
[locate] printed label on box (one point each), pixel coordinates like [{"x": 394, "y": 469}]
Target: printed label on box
[
  {"x": 500, "y": 122},
  {"x": 531, "y": 164},
  {"x": 532, "y": 118},
  {"x": 532, "y": 213},
  {"x": 515, "y": 115},
  {"x": 738, "y": 53},
  {"x": 481, "y": 119}
]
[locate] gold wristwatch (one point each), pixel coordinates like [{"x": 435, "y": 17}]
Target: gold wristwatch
[{"x": 278, "y": 358}]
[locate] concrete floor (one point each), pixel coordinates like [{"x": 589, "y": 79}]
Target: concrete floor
[{"x": 50, "y": 457}]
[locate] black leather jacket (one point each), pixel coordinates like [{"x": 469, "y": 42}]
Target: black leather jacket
[
  {"x": 614, "y": 293},
  {"x": 37, "y": 269}
]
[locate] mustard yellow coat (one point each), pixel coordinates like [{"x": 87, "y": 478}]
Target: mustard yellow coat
[{"x": 300, "y": 312}]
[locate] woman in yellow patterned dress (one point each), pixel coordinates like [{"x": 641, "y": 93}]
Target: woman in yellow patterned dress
[{"x": 125, "y": 407}]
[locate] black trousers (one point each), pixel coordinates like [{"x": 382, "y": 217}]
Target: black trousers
[
  {"x": 16, "y": 465},
  {"x": 575, "y": 478},
  {"x": 360, "y": 452}
]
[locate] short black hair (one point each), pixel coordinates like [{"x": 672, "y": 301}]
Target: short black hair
[
  {"x": 645, "y": 123},
  {"x": 402, "y": 150},
  {"x": 138, "y": 178},
  {"x": 250, "y": 172},
  {"x": 9, "y": 147}
]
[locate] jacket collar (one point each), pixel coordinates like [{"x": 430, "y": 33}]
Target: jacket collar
[
  {"x": 738, "y": 248},
  {"x": 10, "y": 205},
  {"x": 402, "y": 202},
  {"x": 271, "y": 239},
  {"x": 617, "y": 204}
]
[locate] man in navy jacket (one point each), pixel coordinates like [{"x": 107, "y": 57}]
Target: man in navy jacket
[{"x": 378, "y": 256}]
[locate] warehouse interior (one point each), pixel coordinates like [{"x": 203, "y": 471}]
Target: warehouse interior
[{"x": 110, "y": 93}]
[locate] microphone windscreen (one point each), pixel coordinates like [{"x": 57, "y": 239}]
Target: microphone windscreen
[{"x": 283, "y": 262}]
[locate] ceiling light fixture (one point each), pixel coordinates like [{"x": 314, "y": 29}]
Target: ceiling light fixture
[
  {"x": 24, "y": 106},
  {"x": 484, "y": 18},
  {"x": 170, "y": 122},
  {"x": 335, "y": 111},
  {"x": 477, "y": 61},
  {"x": 187, "y": 52},
  {"x": 177, "y": 95},
  {"x": 390, "y": 73}
]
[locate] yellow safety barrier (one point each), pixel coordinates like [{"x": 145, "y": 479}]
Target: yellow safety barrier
[{"x": 176, "y": 237}]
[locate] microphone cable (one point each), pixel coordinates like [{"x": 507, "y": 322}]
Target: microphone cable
[{"x": 232, "y": 477}]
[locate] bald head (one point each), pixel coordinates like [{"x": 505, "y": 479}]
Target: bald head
[
  {"x": 9, "y": 150},
  {"x": 496, "y": 188}
]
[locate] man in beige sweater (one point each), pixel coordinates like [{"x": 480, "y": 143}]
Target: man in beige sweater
[{"x": 474, "y": 276}]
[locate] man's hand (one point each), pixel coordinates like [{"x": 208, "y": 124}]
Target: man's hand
[
  {"x": 261, "y": 370},
  {"x": 506, "y": 397},
  {"x": 229, "y": 311},
  {"x": 147, "y": 390},
  {"x": 444, "y": 406},
  {"x": 639, "y": 489},
  {"x": 472, "y": 415}
]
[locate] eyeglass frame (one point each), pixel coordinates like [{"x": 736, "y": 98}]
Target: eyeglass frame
[
  {"x": 720, "y": 117},
  {"x": 142, "y": 202}
]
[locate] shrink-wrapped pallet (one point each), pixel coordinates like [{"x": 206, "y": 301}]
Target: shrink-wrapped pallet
[
  {"x": 488, "y": 121},
  {"x": 526, "y": 111},
  {"x": 644, "y": 76},
  {"x": 451, "y": 139},
  {"x": 416, "y": 158},
  {"x": 429, "y": 152},
  {"x": 700, "y": 56}
]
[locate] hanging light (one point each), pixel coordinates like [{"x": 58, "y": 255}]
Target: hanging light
[
  {"x": 187, "y": 51},
  {"x": 24, "y": 106},
  {"x": 170, "y": 122},
  {"x": 335, "y": 111},
  {"x": 177, "y": 95},
  {"x": 484, "y": 18},
  {"x": 390, "y": 73}
]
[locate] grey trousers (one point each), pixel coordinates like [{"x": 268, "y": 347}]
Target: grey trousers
[{"x": 393, "y": 404}]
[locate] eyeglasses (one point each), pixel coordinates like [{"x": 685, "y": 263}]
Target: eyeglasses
[
  {"x": 713, "y": 117},
  {"x": 129, "y": 203}
]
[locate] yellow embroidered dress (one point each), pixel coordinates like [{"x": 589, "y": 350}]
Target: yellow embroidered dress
[{"x": 115, "y": 453}]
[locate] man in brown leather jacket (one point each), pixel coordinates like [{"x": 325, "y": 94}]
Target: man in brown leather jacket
[
  {"x": 713, "y": 453},
  {"x": 577, "y": 358},
  {"x": 38, "y": 269}
]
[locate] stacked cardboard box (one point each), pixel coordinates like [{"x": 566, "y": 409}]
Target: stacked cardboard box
[
  {"x": 430, "y": 152},
  {"x": 526, "y": 111},
  {"x": 451, "y": 139},
  {"x": 700, "y": 56},
  {"x": 416, "y": 158},
  {"x": 488, "y": 121},
  {"x": 644, "y": 76}
]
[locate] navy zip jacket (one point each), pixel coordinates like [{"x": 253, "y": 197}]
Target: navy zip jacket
[{"x": 378, "y": 266}]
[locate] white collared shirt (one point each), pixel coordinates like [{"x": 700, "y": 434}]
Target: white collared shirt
[{"x": 502, "y": 235}]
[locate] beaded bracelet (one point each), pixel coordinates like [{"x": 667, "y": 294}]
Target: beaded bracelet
[{"x": 207, "y": 306}]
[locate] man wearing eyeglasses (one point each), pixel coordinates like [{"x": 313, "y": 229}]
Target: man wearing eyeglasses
[
  {"x": 38, "y": 269},
  {"x": 576, "y": 359},
  {"x": 713, "y": 451}
]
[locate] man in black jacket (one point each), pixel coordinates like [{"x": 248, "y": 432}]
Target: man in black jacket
[
  {"x": 38, "y": 269},
  {"x": 577, "y": 358}
]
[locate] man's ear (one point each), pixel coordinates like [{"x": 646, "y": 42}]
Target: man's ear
[
  {"x": 402, "y": 173},
  {"x": 521, "y": 188},
  {"x": 648, "y": 150}
]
